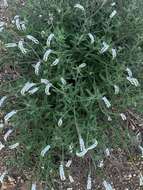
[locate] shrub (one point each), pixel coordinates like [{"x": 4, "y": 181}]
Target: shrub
[{"x": 85, "y": 76}]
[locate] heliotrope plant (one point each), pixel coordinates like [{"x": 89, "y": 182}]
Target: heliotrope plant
[{"x": 77, "y": 76}]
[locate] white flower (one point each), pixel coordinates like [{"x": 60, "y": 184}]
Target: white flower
[
  {"x": 47, "y": 89},
  {"x": 63, "y": 81},
  {"x": 1, "y": 29},
  {"x": 107, "y": 152},
  {"x": 17, "y": 22},
  {"x": 23, "y": 27},
  {"x": 85, "y": 150},
  {"x": 7, "y": 134},
  {"x": 2, "y": 24},
  {"x": 60, "y": 122},
  {"x": 46, "y": 54},
  {"x": 89, "y": 183},
  {"x": 2, "y": 100},
  {"x": 46, "y": 149},
  {"x": 79, "y": 7},
  {"x": 1, "y": 145},
  {"x": 51, "y": 36},
  {"x": 10, "y": 45},
  {"x": 13, "y": 146},
  {"x": 48, "y": 86},
  {"x": 33, "y": 90},
  {"x": 141, "y": 148},
  {"x": 33, "y": 186},
  {"x": 91, "y": 38},
  {"x": 114, "y": 53},
  {"x": 106, "y": 101},
  {"x": 113, "y": 4},
  {"x": 71, "y": 179},
  {"x": 81, "y": 143},
  {"x": 45, "y": 81},
  {"x": 141, "y": 179},
  {"x": 116, "y": 88},
  {"x": 107, "y": 185},
  {"x": 133, "y": 81},
  {"x": 68, "y": 164},
  {"x": 101, "y": 164},
  {"x": 130, "y": 74},
  {"x": 5, "y": 3},
  {"x": 55, "y": 62},
  {"x": 109, "y": 118},
  {"x": 9, "y": 115},
  {"x": 82, "y": 65},
  {"x": 113, "y": 14},
  {"x": 37, "y": 67},
  {"x": 104, "y": 48},
  {"x": 27, "y": 87},
  {"x": 2, "y": 176},
  {"x": 123, "y": 116},
  {"x": 62, "y": 173},
  {"x": 33, "y": 39},
  {"x": 21, "y": 47}
]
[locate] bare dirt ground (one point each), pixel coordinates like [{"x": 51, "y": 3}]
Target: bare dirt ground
[{"x": 119, "y": 169}]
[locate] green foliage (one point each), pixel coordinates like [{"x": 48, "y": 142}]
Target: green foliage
[{"x": 79, "y": 103}]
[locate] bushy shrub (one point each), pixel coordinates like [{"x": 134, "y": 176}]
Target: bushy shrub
[{"x": 89, "y": 87}]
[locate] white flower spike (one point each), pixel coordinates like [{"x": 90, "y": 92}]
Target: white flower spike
[
  {"x": 68, "y": 164},
  {"x": 62, "y": 173},
  {"x": 116, "y": 88},
  {"x": 141, "y": 148},
  {"x": 79, "y": 7},
  {"x": 46, "y": 54},
  {"x": 23, "y": 27},
  {"x": 2, "y": 176},
  {"x": 60, "y": 122},
  {"x": 113, "y": 4},
  {"x": 113, "y": 14},
  {"x": 47, "y": 89},
  {"x": 82, "y": 65},
  {"x": 106, "y": 101},
  {"x": 33, "y": 186},
  {"x": 81, "y": 143},
  {"x": 130, "y": 74},
  {"x": 133, "y": 81},
  {"x": 56, "y": 62},
  {"x": 10, "y": 45},
  {"x": 17, "y": 22},
  {"x": 51, "y": 36},
  {"x": 89, "y": 182},
  {"x": 1, "y": 145},
  {"x": 141, "y": 179},
  {"x": 33, "y": 39},
  {"x": 27, "y": 87},
  {"x": 13, "y": 146},
  {"x": 9, "y": 115},
  {"x": 21, "y": 47},
  {"x": 104, "y": 48},
  {"x": 71, "y": 179},
  {"x": 37, "y": 67},
  {"x": 107, "y": 185},
  {"x": 107, "y": 152},
  {"x": 92, "y": 40},
  {"x": 7, "y": 134},
  {"x": 63, "y": 81},
  {"x": 114, "y": 53},
  {"x": 123, "y": 116},
  {"x": 2, "y": 100},
  {"x": 45, "y": 150},
  {"x": 33, "y": 90}
]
